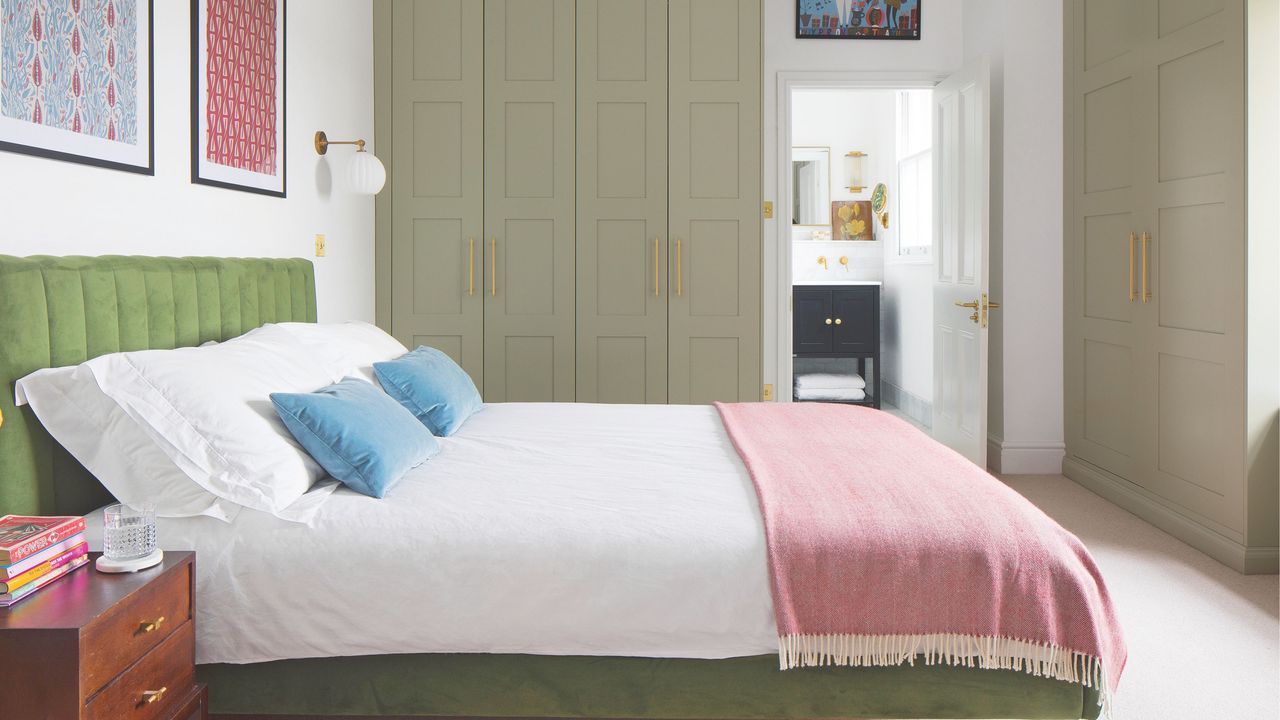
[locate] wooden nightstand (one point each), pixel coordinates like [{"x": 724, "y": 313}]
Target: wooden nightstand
[{"x": 93, "y": 646}]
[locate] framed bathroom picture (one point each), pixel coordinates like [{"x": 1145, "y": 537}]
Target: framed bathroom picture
[
  {"x": 75, "y": 82},
  {"x": 238, "y": 95},
  {"x": 852, "y": 220},
  {"x": 858, "y": 19}
]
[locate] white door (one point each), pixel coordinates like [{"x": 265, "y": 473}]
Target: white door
[{"x": 961, "y": 159}]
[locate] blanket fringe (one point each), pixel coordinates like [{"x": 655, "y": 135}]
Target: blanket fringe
[{"x": 985, "y": 652}]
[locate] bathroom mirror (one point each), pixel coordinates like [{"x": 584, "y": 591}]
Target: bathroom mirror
[{"x": 811, "y": 184}]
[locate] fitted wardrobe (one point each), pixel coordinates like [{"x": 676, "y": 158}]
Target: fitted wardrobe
[
  {"x": 1171, "y": 303},
  {"x": 572, "y": 210}
]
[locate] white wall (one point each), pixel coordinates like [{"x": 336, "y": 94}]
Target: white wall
[
  {"x": 1024, "y": 43},
  {"x": 59, "y": 208},
  {"x": 844, "y": 120},
  {"x": 938, "y": 51}
]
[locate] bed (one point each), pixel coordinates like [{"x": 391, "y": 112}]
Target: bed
[{"x": 587, "y": 602}]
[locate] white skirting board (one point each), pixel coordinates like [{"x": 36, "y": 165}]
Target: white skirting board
[
  {"x": 1247, "y": 560},
  {"x": 1024, "y": 457}
]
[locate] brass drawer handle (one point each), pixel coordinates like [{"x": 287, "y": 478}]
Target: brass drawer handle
[
  {"x": 150, "y": 696},
  {"x": 146, "y": 627}
]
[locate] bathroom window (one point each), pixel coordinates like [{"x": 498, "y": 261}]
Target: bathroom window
[{"x": 915, "y": 173}]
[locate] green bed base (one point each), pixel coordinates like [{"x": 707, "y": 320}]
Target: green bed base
[
  {"x": 613, "y": 687},
  {"x": 57, "y": 311}
]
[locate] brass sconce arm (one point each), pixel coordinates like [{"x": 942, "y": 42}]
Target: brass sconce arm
[{"x": 323, "y": 142}]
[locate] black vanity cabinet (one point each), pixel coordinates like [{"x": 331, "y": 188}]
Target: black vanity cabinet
[{"x": 839, "y": 321}]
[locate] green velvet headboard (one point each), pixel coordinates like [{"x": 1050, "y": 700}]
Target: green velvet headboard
[{"x": 57, "y": 311}]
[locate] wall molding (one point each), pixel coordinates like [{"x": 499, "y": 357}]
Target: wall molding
[
  {"x": 1025, "y": 457},
  {"x": 911, "y": 405},
  {"x": 1241, "y": 558}
]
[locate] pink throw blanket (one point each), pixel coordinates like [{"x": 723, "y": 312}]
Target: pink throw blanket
[{"x": 884, "y": 544}]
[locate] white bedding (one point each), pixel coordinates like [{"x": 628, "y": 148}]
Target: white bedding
[{"x": 555, "y": 529}]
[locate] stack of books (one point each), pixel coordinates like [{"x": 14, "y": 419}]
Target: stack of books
[{"x": 36, "y": 551}]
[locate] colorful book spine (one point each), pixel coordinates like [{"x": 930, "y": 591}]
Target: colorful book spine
[
  {"x": 45, "y": 568},
  {"x": 27, "y": 590},
  {"x": 12, "y": 571},
  {"x": 22, "y": 535}
]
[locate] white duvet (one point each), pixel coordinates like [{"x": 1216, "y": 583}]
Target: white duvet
[{"x": 555, "y": 529}]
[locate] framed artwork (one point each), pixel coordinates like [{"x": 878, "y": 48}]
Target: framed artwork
[
  {"x": 858, "y": 19},
  {"x": 76, "y": 81},
  {"x": 852, "y": 220},
  {"x": 238, "y": 95}
]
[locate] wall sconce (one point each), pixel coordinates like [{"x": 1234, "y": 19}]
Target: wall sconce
[
  {"x": 853, "y": 171},
  {"x": 365, "y": 174}
]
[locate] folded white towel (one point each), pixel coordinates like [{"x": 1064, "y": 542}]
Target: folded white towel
[
  {"x": 843, "y": 395},
  {"x": 829, "y": 381}
]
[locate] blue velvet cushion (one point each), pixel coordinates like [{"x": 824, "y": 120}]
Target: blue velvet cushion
[
  {"x": 358, "y": 434},
  {"x": 432, "y": 387}
]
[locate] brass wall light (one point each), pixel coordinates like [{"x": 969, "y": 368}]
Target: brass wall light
[
  {"x": 365, "y": 174},
  {"x": 853, "y": 171}
]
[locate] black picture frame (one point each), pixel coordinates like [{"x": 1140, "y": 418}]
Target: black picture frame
[
  {"x": 196, "y": 109},
  {"x": 919, "y": 29},
  {"x": 150, "y": 167}
]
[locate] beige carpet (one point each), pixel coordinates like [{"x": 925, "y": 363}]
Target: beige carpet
[{"x": 1204, "y": 641}]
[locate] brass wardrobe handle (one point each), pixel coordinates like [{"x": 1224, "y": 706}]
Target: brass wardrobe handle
[
  {"x": 657, "y": 269},
  {"x": 679, "y": 268},
  {"x": 838, "y": 321},
  {"x": 828, "y": 321},
  {"x": 150, "y": 696},
  {"x": 1133, "y": 294},
  {"x": 493, "y": 267},
  {"x": 471, "y": 266},
  {"x": 1146, "y": 246}
]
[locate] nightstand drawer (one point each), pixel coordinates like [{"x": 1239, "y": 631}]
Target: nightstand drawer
[
  {"x": 166, "y": 674},
  {"x": 133, "y": 627}
]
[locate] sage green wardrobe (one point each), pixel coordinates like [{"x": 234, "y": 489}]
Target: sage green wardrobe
[
  {"x": 573, "y": 204},
  {"x": 1157, "y": 294}
]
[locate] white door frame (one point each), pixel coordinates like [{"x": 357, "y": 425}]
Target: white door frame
[{"x": 787, "y": 82}]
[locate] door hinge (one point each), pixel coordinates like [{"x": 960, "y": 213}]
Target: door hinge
[{"x": 767, "y": 395}]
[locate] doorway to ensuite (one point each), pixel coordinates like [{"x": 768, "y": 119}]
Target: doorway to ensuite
[{"x": 884, "y": 199}]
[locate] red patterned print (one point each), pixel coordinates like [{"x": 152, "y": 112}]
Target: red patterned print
[{"x": 240, "y": 108}]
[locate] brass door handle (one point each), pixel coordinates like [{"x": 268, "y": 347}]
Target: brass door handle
[
  {"x": 471, "y": 266},
  {"x": 828, "y": 321},
  {"x": 493, "y": 266},
  {"x": 1133, "y": 294},
  {"x": 657, "y": 268},
  {"x": 150, "y": 696},
  {"x": 838, "y": 321},
  {"x": 1146, "y": 245},
  {"x": 679, "y": 268},
  {"x": 146, "y": 627},
  {"x": 971, "y": 305}
]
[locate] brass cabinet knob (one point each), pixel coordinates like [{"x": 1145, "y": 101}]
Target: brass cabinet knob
[
  {"x": 828, "y": 321},
  {"x": 838, "y": 321}
]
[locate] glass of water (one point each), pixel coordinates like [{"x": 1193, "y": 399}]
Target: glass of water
[{"x": 128, "y": 533}]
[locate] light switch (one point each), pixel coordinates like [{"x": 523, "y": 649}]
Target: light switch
[
  {"x": 319, "y": 245},
  {"x": 768, "y": 210},
  {"x": 768, "y": 392}
]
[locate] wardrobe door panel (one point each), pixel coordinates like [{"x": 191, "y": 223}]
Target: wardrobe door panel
[
  {"x": 529, "y": 199},
  {"x": 437, "y": 182},
  {"x": 1192, "y": 394},
  {"x": 622, "y": 201},
  {"x": 714, "y": 176},
  {"x": 1103, "y": 230}
]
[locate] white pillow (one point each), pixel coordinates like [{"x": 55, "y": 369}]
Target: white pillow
[
  {"x": 98, "y": 433},
  {"x": 209, "y": 409},
  {"x": 347, "y": 349}
]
